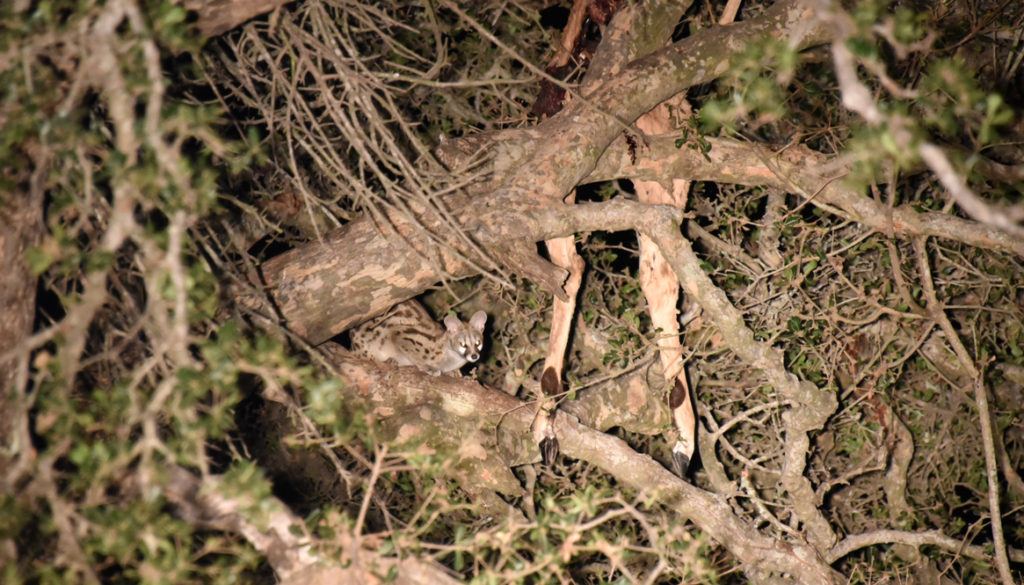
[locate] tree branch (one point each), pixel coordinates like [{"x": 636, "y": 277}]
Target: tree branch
[
  {"x": 381, "y": 387},
  {"x": 281, "y": 536},
  {"x": 217, "y": 17},
  {"x": 309, "y": 286},
  {"x": 810, "y": 407},
  {"x": 936, "y": 312},
  {"x": 927, "y": 538}
]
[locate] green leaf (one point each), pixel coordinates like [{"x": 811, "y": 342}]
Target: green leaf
[
  {"x": 39, "y": 259},
  {"x": 862, "y": 47}
]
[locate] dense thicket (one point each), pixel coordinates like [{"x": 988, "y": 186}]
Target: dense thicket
[{"x": 198, "y": 200}]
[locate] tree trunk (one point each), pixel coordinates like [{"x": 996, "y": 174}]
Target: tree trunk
[{"x": 20, "y": 228}]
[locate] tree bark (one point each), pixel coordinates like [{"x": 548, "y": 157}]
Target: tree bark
[
  {"x": 319, "y": 290},
  {"x": 21, "y": 226},
  {"x": 464, "y": 403},
  {"x": 359, "y": 270},
  {"x": 219, "y": 16}
]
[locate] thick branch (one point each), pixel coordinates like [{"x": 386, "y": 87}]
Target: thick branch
[
  {"x": 387, "y": 386},
  {"x": 219, "y": 16},
  {"x": 281, "y": 536},
  {"x": 927, "y": 538},
  {"x": 819, "y": 178},
  {"x": 580, "y": 133},
  {"x": 21, "y": 227},
  {"x": 320, "y": 292}
]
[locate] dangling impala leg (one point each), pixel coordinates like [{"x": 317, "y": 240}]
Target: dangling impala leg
[
  {"x": 685, "y": 422},
  {"x": 544, "y": 423},
  {"x": 562, "y": 252},
  {"x": 661, "y": 289}
]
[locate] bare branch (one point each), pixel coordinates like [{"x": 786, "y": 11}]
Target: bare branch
[
  {"x": 926, "y": 538},
  {"x": 219, "y": 16},
  {"x": 937, "y": 313},
  {"x": 281, "y": 536},
  {"x": 464, "y": 397},
  {"x": 857, "y": 97}
]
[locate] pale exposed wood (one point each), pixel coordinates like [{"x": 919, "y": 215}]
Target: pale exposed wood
[
  {"x": 570, "y": 33},
  {"x": 812, "y": 407},
  {"x": 732, "y": 7}
]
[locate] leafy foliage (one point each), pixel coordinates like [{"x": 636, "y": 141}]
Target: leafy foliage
[{"x": 164, "y": 163}]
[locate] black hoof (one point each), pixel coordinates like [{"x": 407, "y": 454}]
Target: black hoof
[
  {"x": 680, "y": 464},
  {"x": 549, "y": 450}
]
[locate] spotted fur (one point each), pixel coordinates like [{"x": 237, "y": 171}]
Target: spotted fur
[{"x": 408, "y": 336}]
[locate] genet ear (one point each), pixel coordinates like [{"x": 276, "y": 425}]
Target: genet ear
[
  {"x": 477, "y": 321},
  {"x": 452, "y": 323}
]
